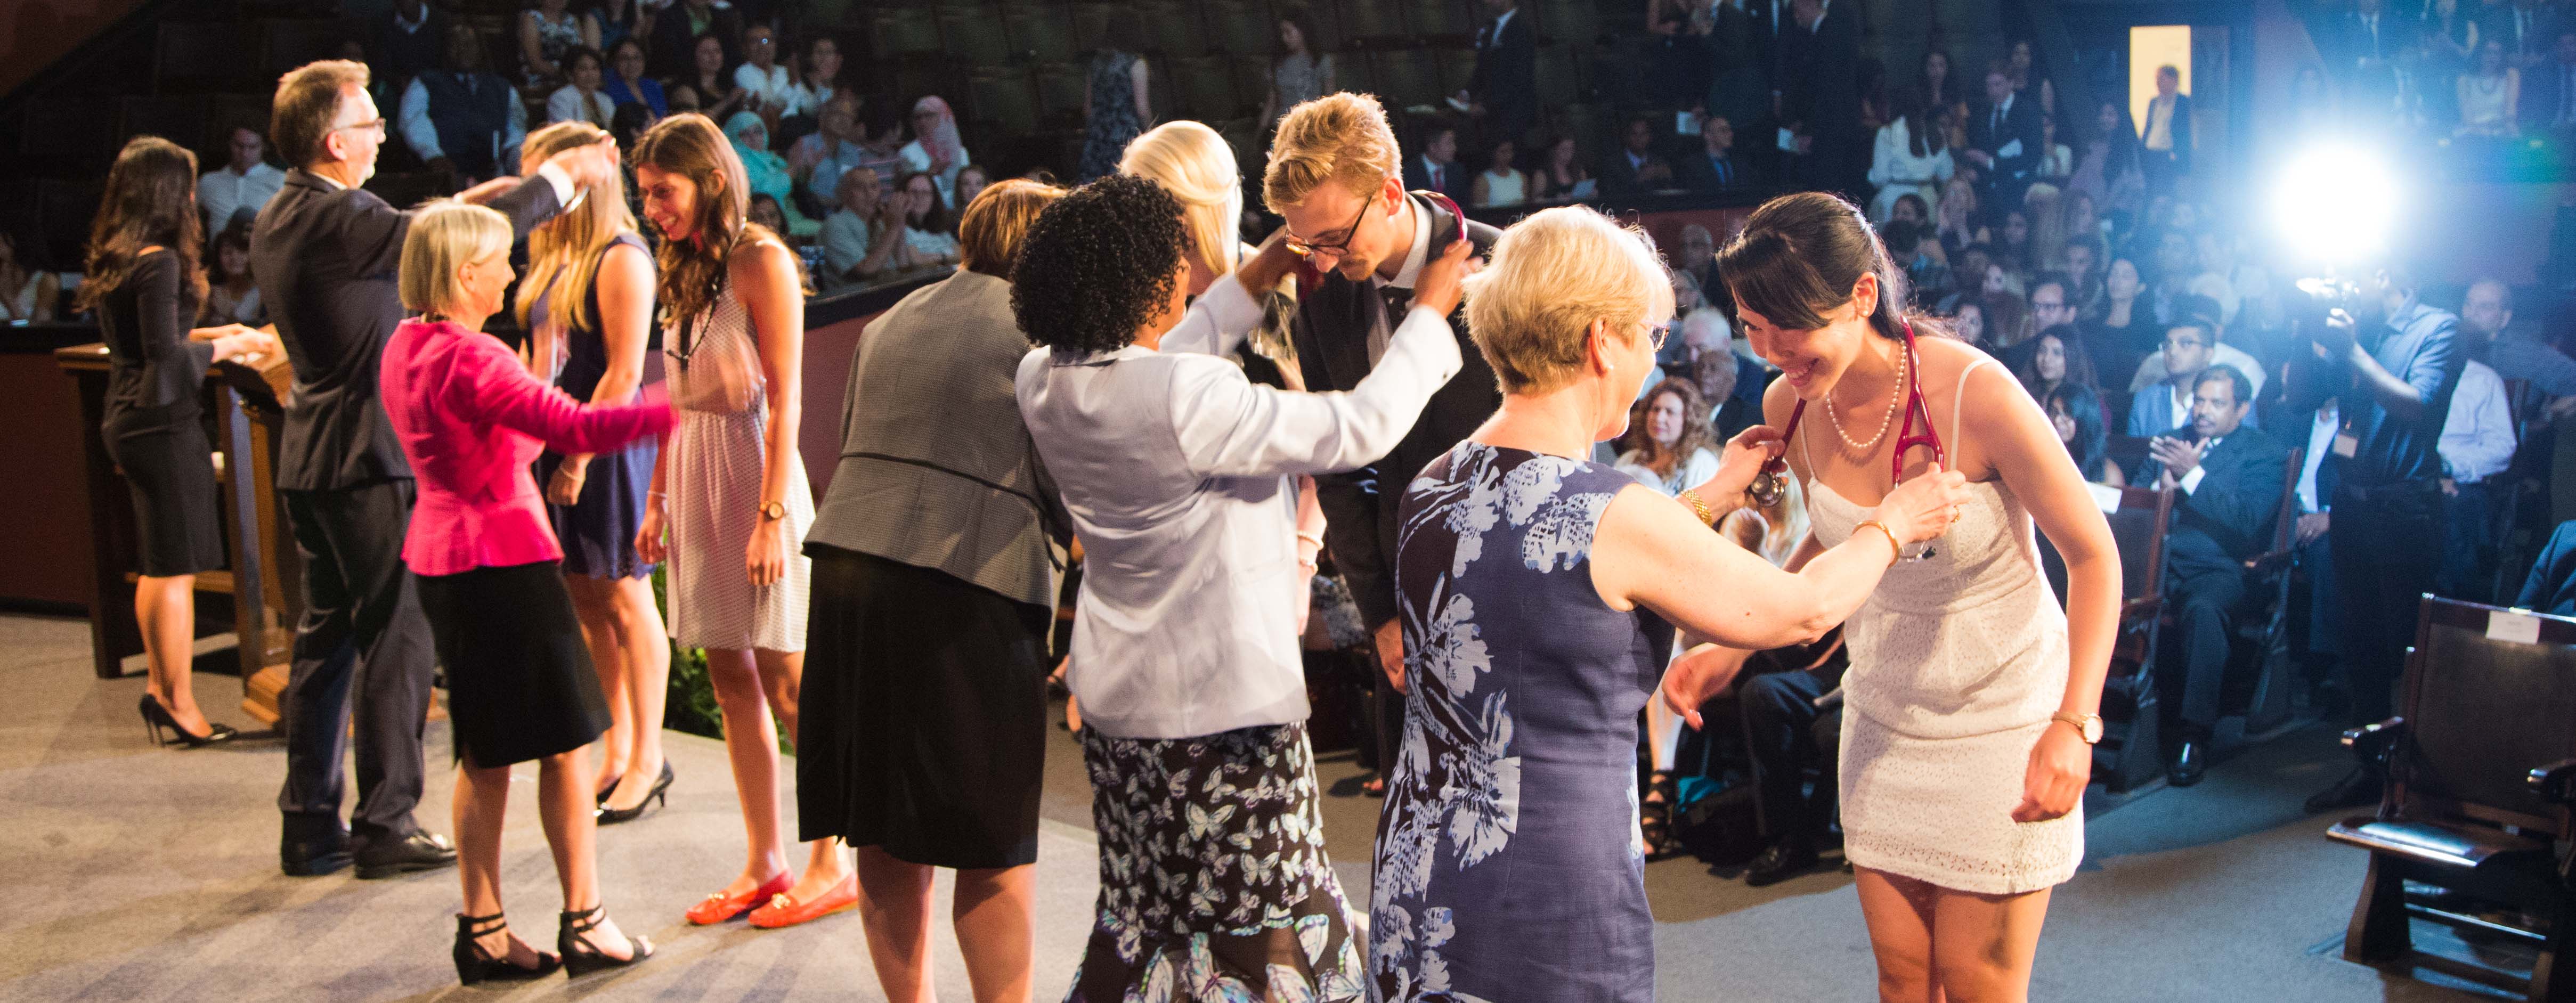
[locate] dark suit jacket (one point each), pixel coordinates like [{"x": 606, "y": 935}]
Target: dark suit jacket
[
  {"x": 1455, "y": 178},
  {"x": 2551, "y": 586},
  {"x": 1618, "y": 178},
  {"x": 1505, "y": 80},
  {"x": 1699, "y": 174},
  {"x": 2228, "y": 521},
  {"x": 326, "y": 258},
  {"x": 673, "y": 52},
  {"x": 2021, "y": 121},
  {"x": 2181, "y": 132},
  {"x": 1331, "y": 334},
  {"x": 2544, "y": 94}
]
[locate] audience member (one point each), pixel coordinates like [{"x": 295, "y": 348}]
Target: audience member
[
  {"x": 465, "y": 122},
  {"x": 935, "y": 147},
  {"x": 1636, "y": 168},
  {"x": 1500, "y": 184},
  {"x": 2386, "y": 535},
  {"x": 471, "y": 419},
  {"x": 818, "y": 81},
  {"x": 1955, "y": 216},
  {"x": 1562, "y": 175},
  {"x": 1968, "y": 322},
  {"x": 2552, "y": 107},
  {"x": 2118, "y": 336},
  {"x": 2055, "y": 358},
  {"x": 1912, "y": 158},
  {"x": 2075, "y": 411},
  {"x": 1299, "y": 71},
  {"x": 326, "y": 252},
  {"x": 2111, "y": 171},
  {"x": 234, "y": 193},
  {"x": 1117, "y": 98},
  {"x": 2083, "y": 256},
  {"x": 2003, "y": 139},
  {"x": 770, "y": 89},
  {"x": 1934, "y": 87},
  {"x": 582, "y": 98},
  {"x": 1817, "y": 90},
  {"x": 1927, "y": 277},
  {"x": 2476, "y": 447},
  {"x": 144, "y": 282},
  {"x": 1670, "y": 444},
  {"x": 928, "y": 745},
  {"x": 765, "y": 211},
  {"x": 856, "y": 244},
  {"x": 2551, "y": 586},
  {"x": 2229, "y": 474},
  {"x": 2515, "y": 353},
  {"x": 882, "y": 139},
  {"x": 707, "y": 89},
  {"x": 27, "y": 294},
  {"x": 1502, "y": 91},
  {"x": 1729, "y": 383},
  {"x": 548, "y": 32},
  {"x": 2007, "y": 317},
  {"x": 1436, "y": 168},
  {"x": 2166, "y": 141},
  {"x": 619, "y": 20},
  {"x": 926, "y": 227},
  {"x": 2524, "y": 28},
  {"x": 1785, "y": 734},
  {"x": 1716, "y": 168},
  {"x": 2057, "y": 160},
  {"x": 677, "y": 30},
  {"x": 233, "y": 296},
  {"x": 627, "y": 83},
  {"x": 2488, "y": 95},
  {"x": 2202, "y": 312},
  {"x": 412, "y": 38},
  {"x": 766, "y": 171},
  {"x": 971, "y": 181},
  {"x": 2189, "y": 347},
  {"x": 818, "y": 160}
]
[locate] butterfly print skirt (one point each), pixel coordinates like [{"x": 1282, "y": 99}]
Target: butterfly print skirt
[{"x": 1213, "y": 879}]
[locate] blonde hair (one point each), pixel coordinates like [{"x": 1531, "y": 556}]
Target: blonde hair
[
  {"x": 1338, "y": 137},
  {"x": 1193, "y": 163},
  {"x": 989, "y": 235},
  {"x": 564, "y": 254},
  {"x": 446, "y": 235},
  {"x": 1550, "y": 277}
]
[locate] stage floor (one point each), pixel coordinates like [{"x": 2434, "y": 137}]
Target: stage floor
[{"x": 136, "y": 873}]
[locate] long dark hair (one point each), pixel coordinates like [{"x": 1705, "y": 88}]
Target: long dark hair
[
  {"x": 1927, "y": 128},
  {"x": 2079, "y": 363},
  {"x": 2092, "y": 446},
  {"x": 1697, "y": 433},
  {"x": 151, "y": 200},
  {"x": 1305, "y": 21},
  {"x": 1799, "y": 256}
]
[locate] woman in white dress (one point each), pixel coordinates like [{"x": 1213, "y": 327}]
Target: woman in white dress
[
  {"x": 2489, "y": 95},
  {"x": 1972, "y": 697},
  {"x": 729, "y": 489},
  {"x": 1500, "y": 184},
  {"x": 1913, "y": 157}
]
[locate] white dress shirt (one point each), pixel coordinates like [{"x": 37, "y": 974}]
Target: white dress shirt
[
  {"x": 2477, "y": 436},
  {"x": 564, "y": 105},
  {"x": 1180, "y": 474},
  {"x": 2321, "y": 436},
  {"x": 771, "y": 87},
  {"x": 221, "y": 192},
  {"x": 423, "y": 136}
]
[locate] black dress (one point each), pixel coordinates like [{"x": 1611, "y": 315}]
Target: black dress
[
  {"x": 155, "y": 429},
  {"x": 598, "y": 529}
]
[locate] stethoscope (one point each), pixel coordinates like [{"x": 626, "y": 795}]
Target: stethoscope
[{"x": 1772, "y": 484}]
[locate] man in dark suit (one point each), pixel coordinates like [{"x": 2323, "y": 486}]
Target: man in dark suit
[
  {"x": 1635, "y": 168},
  {"x": 1819, "y": 93},
  {"x": 1503, "y": 89},
  {"x": 2230, "y": 475},
  {"x": 1715, "y": 168},
  {"x": 2528, "y": 28},
  {"x": 2003, "y": 139},
  {"x": 409, "y": 40},
  {"x": 1436, "y": 168},
  {"x": 326, "y": 251},
  {"x": 1365, "y": 241},
  {"x": 2549, "y": 89},
  {"x": 676, "y": 31}
]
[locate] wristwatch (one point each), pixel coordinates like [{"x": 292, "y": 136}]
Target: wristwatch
[
  {"x": 770, "y": 511},
  {"x": 2087, "y": 726}
]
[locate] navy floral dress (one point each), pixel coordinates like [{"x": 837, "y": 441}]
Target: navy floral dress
[{"x": 1508, "y": 860}]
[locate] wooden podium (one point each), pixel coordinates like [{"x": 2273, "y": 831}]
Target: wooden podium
[{"x": 263, "y": 585}]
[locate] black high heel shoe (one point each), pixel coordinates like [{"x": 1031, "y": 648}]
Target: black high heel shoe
[
  {"x": 580, "y": 957},
  {"x": 472, "y": 965},
  {"x": 658, "y": 795},
  {"x": 157, "y": 717}
]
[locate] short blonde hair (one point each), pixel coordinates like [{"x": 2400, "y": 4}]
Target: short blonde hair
[
  {"x": 989, "y": 235},
  {"x": 1338, "y": 137},
  {"x": 1549, "y": 278},
  {"x": 445, "y": 236},
  {"x": 1193, "y": 163}
]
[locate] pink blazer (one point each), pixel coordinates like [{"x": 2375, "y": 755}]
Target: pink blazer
[{"x": 472, "y": 419}]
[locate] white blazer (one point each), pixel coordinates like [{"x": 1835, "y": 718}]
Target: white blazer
[{"x": 1179, "y": 473}]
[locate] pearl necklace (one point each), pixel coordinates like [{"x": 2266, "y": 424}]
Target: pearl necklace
[{"x": 1884, "y": 420}]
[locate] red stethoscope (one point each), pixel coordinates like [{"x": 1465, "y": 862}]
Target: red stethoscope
[{"x": 1772, "y": 483}]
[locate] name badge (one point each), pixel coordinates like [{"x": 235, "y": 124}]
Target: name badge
[{"x": 2347, "y": 444}]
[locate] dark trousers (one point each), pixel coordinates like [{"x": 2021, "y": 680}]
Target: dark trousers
[
  {"x": 2387, "y": 547},
  {"x": 362, "y": 646},
  {"x": 2468, "y": 557},
  {"x": 1385, "y": 717},
  {"x": 2206, "y": 602},
  {"x": 1782, "y": 735}
]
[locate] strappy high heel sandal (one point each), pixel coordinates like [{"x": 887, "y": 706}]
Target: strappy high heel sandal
[
  {"x": 1655, "y": 820},
  {"x": 472, "y": 965},
  {"x": 580, "y": 957}
]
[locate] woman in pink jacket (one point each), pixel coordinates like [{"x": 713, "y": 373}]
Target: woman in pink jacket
[{"x": 520, "y": 686}]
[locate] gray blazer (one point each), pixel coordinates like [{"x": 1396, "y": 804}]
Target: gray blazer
[{"x": 936, "y": 469}]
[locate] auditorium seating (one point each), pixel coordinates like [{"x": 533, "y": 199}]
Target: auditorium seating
[
  {"x": 2481, "y": 776},
  {"x": 2262, "y": 641},
  {"x": 2132, "y": 752}
]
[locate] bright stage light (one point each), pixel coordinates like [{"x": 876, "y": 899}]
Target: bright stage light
[{"x": 2336, "y": 204}]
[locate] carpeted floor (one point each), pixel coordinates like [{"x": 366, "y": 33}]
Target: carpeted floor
[{"x": 135, "y": 873}]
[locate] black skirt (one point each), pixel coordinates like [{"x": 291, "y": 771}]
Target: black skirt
[
  {"x": 170, "y": 471},
  {"x": 923, "y": 715},
  {"x": 519, "y": 680}
]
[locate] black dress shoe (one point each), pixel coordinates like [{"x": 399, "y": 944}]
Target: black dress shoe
[
  {"x": 2189, "y": 764},
  {"x": 1784, "y": 860},
  {"x": 2359, "y": 787},
  {"x": 420, "y": 851},
  {"x": 312, "y": 858}
]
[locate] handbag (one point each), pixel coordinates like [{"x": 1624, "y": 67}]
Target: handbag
[{"x": 719, "y": 378}]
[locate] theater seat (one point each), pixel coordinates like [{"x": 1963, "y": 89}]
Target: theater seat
[{"x": 2448, "y": 846}]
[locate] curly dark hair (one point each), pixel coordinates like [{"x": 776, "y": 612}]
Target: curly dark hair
[{"x": 1098, "y": 264}]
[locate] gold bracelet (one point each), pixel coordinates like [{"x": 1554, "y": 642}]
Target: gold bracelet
[
  {"x": 1706, "y": 516},
  {"x": 1896, "y": 551}
]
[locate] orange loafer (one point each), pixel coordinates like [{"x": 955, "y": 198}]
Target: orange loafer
[
  {"x": 720, "y": 907},
  {"x": 783, "y": 911}
]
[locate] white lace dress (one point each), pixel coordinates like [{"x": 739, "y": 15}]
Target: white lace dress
[
  {"x": 716, "y": 464},
  {"x": 1957, "y": 662}
]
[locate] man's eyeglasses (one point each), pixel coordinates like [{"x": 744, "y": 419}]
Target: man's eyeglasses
[
  {"x": 374, "y": 125},
  {"x": 1307, "y": 248}
]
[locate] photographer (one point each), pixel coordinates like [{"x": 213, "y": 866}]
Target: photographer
[{"x": 2394, "y": 368}]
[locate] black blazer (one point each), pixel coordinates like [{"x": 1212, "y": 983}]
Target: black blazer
[
  {"x": 2228, "y": 521},
  {"x": 2021, "y": 121},
  {"x": 326, "y": 258},
  {"x": 673, "y": 54},
  {"x": 1505, "y": 79},
  {"x": 1698, "y": 173},
  {"x": 1456, "y": 180},
  {"x": 1618, "y": 178},
  {"x": 1331, "y": 333}
]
